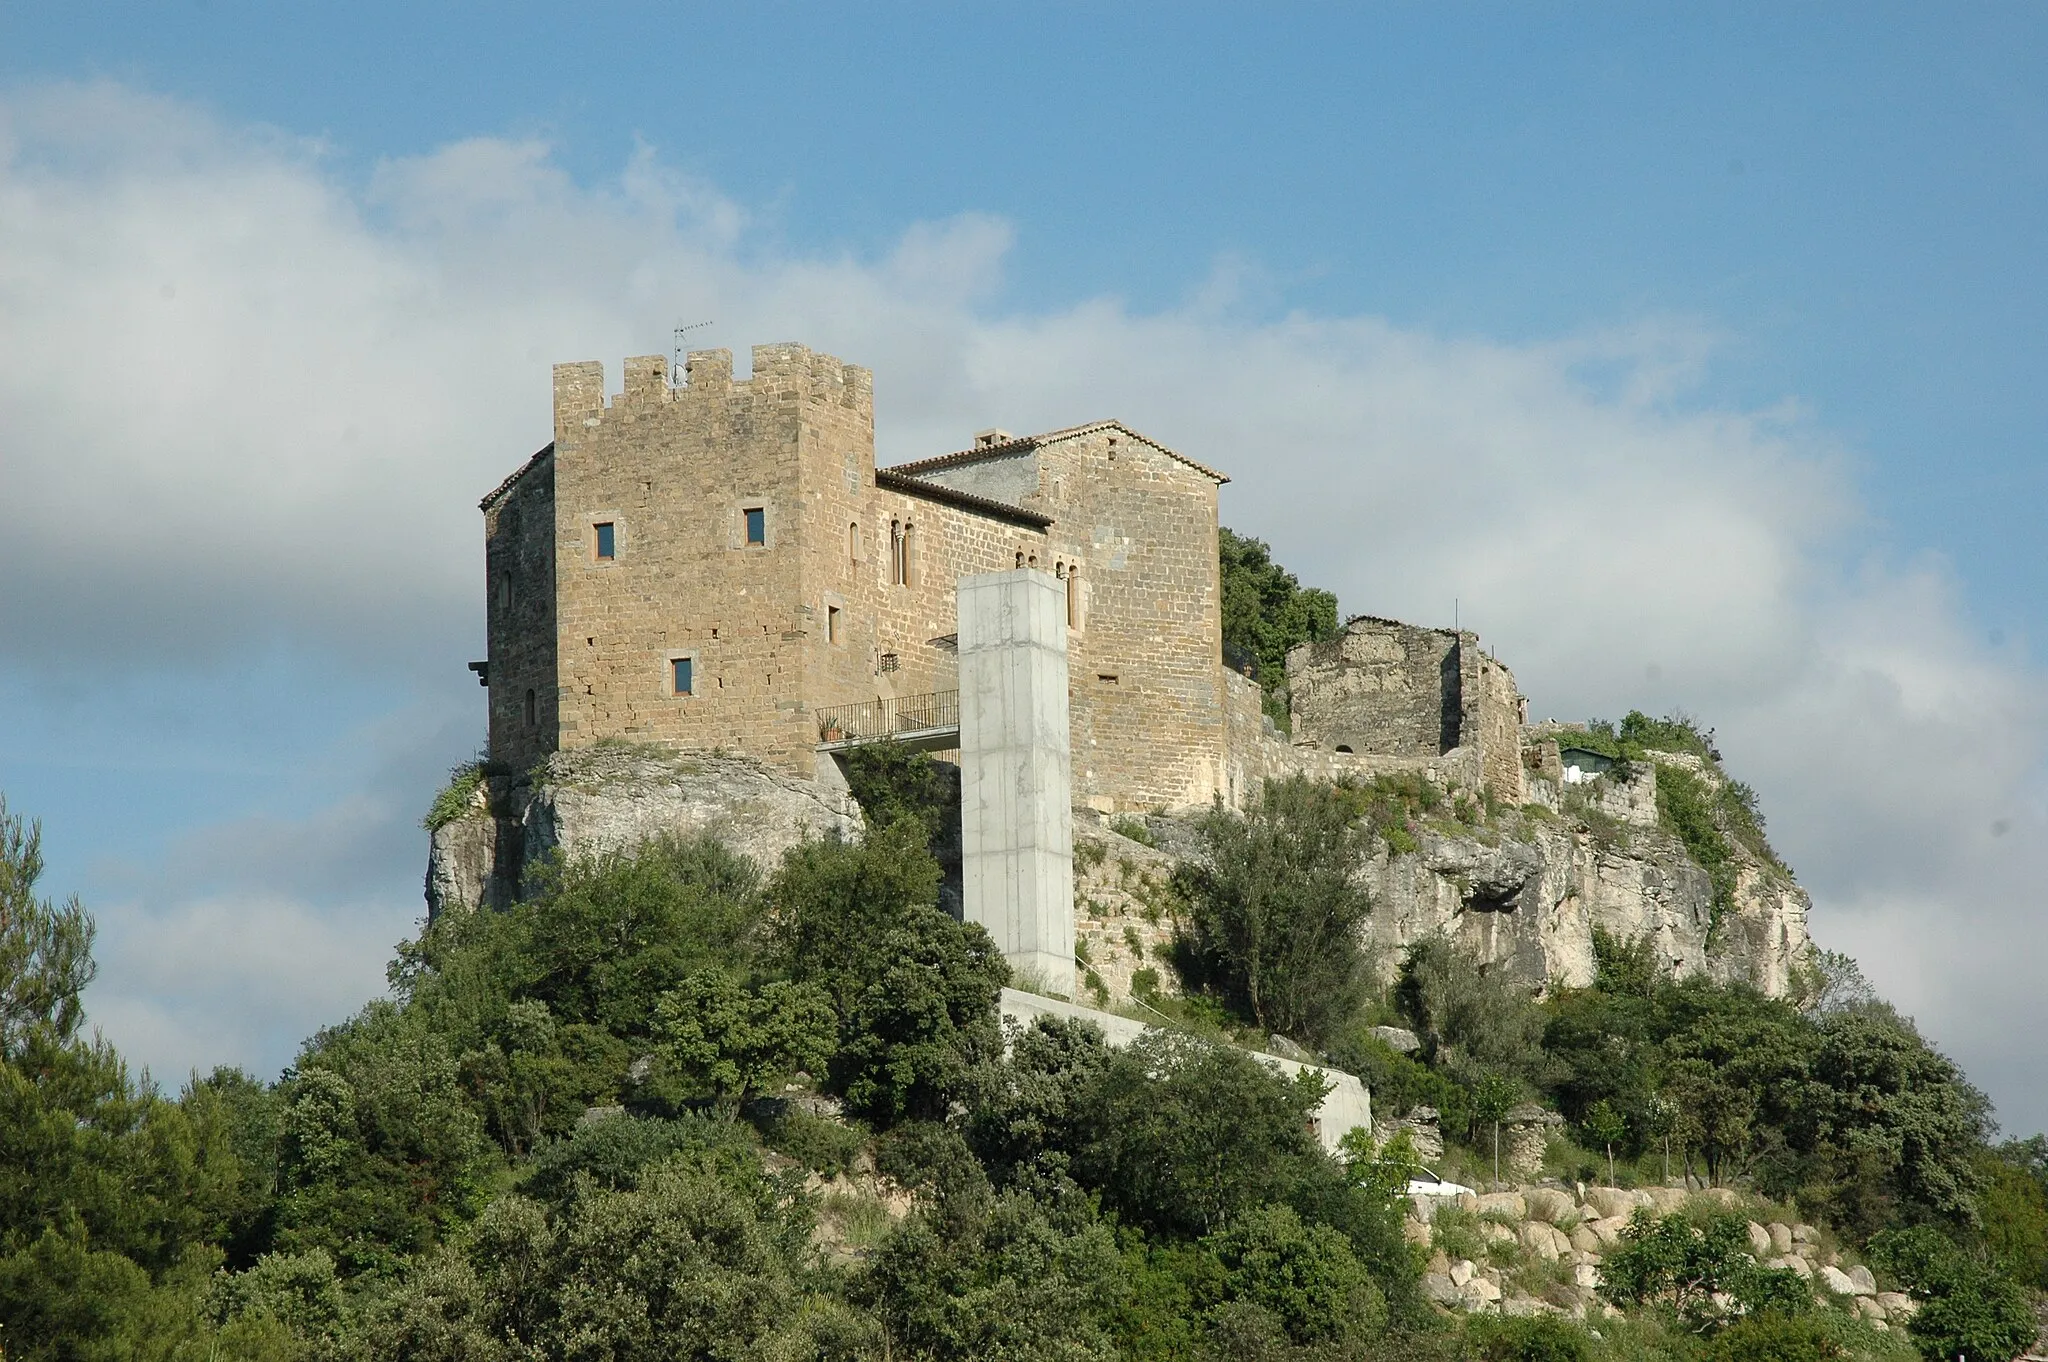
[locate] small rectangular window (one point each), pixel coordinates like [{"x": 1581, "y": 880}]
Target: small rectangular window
[
  {"x": 607, "y": 542},
  {"x": 681, "y": 678},
  {"x": 757, "y": 525},
  {"x": 832, "y": 624}
]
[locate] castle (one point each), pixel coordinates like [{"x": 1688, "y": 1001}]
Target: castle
[{"x": 710, "y": 562}]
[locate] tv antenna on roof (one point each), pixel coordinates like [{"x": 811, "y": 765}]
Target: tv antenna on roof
[{"x": 676, "y": 376}]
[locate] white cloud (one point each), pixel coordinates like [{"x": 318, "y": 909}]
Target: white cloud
[{"x": 275, "y": 397}]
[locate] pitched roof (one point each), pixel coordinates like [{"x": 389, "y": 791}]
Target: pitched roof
[
  {"x": 1024, "y": 444},
  {"x": 894, "y": 480},
  {"x": 497, "y": 493}
]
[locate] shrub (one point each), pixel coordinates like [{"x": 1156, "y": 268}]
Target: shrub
[
  {"x": 1274, "y": 913},
  {"x": 457, "y": 797},
  {"x": 1540, "y": 1338},
  {"x": 1134, "y": 829}
]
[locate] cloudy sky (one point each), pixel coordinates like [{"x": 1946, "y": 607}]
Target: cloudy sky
[{"x": 1696, "y": 359}]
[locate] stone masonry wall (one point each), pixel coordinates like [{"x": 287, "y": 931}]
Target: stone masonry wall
[
  {"x": 519, "y": 584},
  {"x": 1380, "y": 686},
  {"x": 1134, "y": 530},
  {"x": 1490, "y": 719}
]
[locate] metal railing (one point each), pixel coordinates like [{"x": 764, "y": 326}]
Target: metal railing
[{"x": 875, "y": 720}]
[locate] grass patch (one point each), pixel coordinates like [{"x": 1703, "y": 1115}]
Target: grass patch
[
  {"x": 1125, "y": 826},
  {"x": 458, "y": 797}
]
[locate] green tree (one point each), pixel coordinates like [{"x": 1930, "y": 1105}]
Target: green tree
[
  {"x": 1181, "y": 1134},
  {"x": 1966, "y": 1310},
  {"x": 1266, "y": 611},
  {"x": 1471, "y": 1020},
  {"x": 45, "y": 948},
  {"x": 923, "y": 1019},
  {"x": 735, "y": 1043},
  {"x": 1604, "y": 1127},
  {"x": 1692, "y": 1269},
  {"x": 1274, "y": 910},
  {"x": 1303, "y": 1276},
  {"x": 1493, "y": 1096}
]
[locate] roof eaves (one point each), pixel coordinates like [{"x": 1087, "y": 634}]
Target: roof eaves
[
  {"x": 896, "y": 481},
  {"x": 497, "y": 493},
  {"x": 1025, "y": 443}
]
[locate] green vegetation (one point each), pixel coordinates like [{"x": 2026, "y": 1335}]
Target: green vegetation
[
  {"x": 457, "y": 797},
  {"x": 582, "y": 1128},
  {"x": 1133, "y": 828},
  {"x": 1266, "y": 611},
  {"x": 1709, "y": 815},
  {"x": 1274, "y": 916}
]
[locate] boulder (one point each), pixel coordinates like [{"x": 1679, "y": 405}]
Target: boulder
[
  {"x": 1804, "y": 1234},
  {"x": 1415, "y": 1232},
  {"x": 1897, "y": 1304},
  {"x": 1494, "y": 1233},
  {"x": 1423, "y": 1208},
  {"x": 1550, "y": 1205},
  {"x": 1584, "y": 1240},
  {"x": 1837, "y": 1281},
  {"x": 1397, "y": 1038},
  {"x": 1868, "y": 1308},
  {"x": 1536, "y": 1237},
  {"x": 1781, "y": 1238},
  {"x": 1861, "y": 1280},
  {"x": 1504, "y": 1203},
  {"x": 1523, "y": 1307},
  {"x": 1759, "y": 1241},
  {"x": 1608, "y": 1231},
  {"x": 1800, "y": 1266},
  {"x": 1664, "y": 1200},
  {"x": 1722, "y": 1197},
  {"x": 1586, "y": 1276},
  {"x": 1483, "y": 1289},
  {"x": 1438, "y": 1263},
  {"x": 1277, "y": 1044},
  {"x": 1463, "y": 1271},
  {"x": 1440, "y": 1289},
  {"x": 1611, "y": 1201}
]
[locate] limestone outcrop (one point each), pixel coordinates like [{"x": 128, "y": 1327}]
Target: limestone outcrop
[
  {"x": 612, "y": 796},
  {"x": 1527, "y": 893}
]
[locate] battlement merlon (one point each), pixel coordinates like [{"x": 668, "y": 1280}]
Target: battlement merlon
[{"x": 778, "y": 370}]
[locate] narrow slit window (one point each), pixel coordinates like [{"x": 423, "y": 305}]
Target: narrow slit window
[
  {"x": 505, "y": 590},
  {"x": 895, "y": 553},
  {"x": 853, "y": 542},
  {"x": 909, "y": 555},
  {"x": 682, "y": 678},
  {"x": 532, "y": 708},
  {"x": 757, "y": 525},
  {"x": 832, "y": 626},
  {"x": 1073, "y": 598},
  {"x": 607, "y": 541}
]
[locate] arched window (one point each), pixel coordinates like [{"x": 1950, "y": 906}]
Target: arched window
[
  {"x": 909, "y": 554},
  {"x": 895, "y": 553},
  {"x": 853, "y": 542}
]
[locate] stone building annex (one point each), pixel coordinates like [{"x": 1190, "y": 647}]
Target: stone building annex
[{"x": 716, "y": 563}]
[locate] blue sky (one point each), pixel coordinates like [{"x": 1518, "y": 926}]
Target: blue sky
[{"x": 1758, "y": 285}]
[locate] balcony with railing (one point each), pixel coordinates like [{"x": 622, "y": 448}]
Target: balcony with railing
[{"x": 927, "y": 722}]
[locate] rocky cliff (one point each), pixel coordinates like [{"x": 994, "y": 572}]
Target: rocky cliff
[
  {"x": 615, "y": 795},
  {"x": 1522, "y": 889}
]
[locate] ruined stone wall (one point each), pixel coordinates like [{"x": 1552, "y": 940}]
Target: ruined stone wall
[
  {"x": 1380, "y": 686},
  {"x": 1399, "y": 691},
  {"x": 519, "y": 586},
  {"x": 1490, "y": 719}
]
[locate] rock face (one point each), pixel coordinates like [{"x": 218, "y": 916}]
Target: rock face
[
  {"x": 1526, "y": 892},
  {"x": 612, "y": 796}
]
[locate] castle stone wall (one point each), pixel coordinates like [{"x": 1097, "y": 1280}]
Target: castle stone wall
[{"x": 519, "y": 587}]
